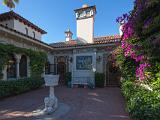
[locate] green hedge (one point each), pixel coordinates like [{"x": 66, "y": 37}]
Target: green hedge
[
  {"x": 99, "y": 79},
  {"x": 14, "y": 87},
  {"x": 142, "y": 104}
]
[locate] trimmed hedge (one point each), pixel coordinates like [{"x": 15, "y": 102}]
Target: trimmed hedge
[
  {"x": 14, "y": 87},
  {"x": 142, "y": 104},
  {"x": 99, "y": 79}
]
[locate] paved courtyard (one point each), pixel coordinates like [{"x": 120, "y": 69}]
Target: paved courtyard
[{"x": 85, "y": 104}]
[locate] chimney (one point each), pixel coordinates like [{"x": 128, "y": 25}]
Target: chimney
[
  {"x": 85, "y": 23},
  {"x": 68, "y": 35},
  {"x": 120, "y": 28}
]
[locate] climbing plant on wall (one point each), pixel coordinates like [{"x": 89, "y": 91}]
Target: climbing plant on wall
[{"x": 37, "y": 58}]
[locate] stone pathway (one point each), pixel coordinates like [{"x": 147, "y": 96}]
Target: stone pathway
[{"x": 85, "y": 104}]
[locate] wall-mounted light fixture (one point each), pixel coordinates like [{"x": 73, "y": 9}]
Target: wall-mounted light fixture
[{"x": 99, "y": 59}]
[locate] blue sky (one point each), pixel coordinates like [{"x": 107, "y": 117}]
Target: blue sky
[{"x": 55, "y": 16}]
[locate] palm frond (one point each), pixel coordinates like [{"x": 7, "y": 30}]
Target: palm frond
[
  {"x": 16, "y": 1},
  {"x": 10, "y": 3}
]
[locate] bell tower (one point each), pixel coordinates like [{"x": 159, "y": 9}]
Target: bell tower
[{"x": 85, "y": 23}]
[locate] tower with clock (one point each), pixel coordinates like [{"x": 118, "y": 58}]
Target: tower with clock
[{"x": 85, "y": 23}]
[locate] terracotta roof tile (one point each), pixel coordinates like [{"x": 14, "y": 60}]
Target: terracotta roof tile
[
  {"x": 97, "y": 40},
  {"x": 107, "y": 39}
]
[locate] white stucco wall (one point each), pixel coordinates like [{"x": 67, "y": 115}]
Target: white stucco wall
[
  {"x": 85, "y": 30},
  {"x": 19, "y": 26},
  {"x": 9, "y": 23},
  {"x": 84, "y": 75},
  {"x": 99, "y": 64}
]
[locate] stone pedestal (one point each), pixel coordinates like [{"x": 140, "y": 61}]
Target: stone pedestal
[{"x": 51, "y": 102}]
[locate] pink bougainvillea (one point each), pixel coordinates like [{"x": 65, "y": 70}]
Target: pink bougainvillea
[
  {"x": 140, "y": 70},
  {"x": 128, "y": 33}
]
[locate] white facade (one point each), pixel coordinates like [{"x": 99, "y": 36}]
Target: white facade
[
  {"x": 85, "y": 23},
  {"x": 64, "y": 59},
  {"x": 84, "y": 62},
  {"x": 21, "y": 27},
  {"x": 8, "y": 36},
  {"x": 84, "y": 76},
  {"x": 85, "y": 30},
  {"x": 8, "y": 23}
]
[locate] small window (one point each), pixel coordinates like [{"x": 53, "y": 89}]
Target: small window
[
  {"x": 26, "y": 31},
  {"x": 34, "y": 36}
]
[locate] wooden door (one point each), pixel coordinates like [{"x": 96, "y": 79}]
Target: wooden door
[{"x": 61, "y": 69}]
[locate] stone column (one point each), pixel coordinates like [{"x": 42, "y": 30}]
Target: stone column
[
  {"x": 18, "y": 58},
  {"x": 51, "y": 91},
  {"x": 4, "y": 73},
  {"x": 43, "y": 73},
  {"x": 28, "y": 67}
]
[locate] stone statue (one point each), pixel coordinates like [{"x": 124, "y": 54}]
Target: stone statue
[{"x": 51, "y": 104}]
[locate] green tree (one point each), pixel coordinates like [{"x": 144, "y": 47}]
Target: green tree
[{"x": 10, "y": 3}]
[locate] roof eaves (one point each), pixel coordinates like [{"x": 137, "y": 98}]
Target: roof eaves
[{"x": 12, "y": 14}]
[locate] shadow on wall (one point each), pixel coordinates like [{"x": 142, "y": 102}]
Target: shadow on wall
[{"x": 81, "y": 40}]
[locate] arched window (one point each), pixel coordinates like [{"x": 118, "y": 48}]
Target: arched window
[
  {"x": 11, "y": 67},
  {"x": 23, "y": 67},
  {"x": 34, "y": 35},
  {"x": 26, "y": 31}
]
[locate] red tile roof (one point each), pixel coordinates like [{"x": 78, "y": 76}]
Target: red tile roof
[
  {"x": 107, "y": 39},
  {"x": 10, "y": 15},
  {"x": 97, "y": 40},
  {"x": 64, "y": 44}
]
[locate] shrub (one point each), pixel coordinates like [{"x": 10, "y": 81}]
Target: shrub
[
  {"x": 99, "y": 79},
  {"x": 127, "y": 88},
  {"x": 142, "y": 104},
  {"x": 156, "y": 85},
  {"x": 14, "y": 87}
]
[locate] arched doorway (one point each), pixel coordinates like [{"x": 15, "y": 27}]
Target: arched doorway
[
  {"x": 61, "y": 69},
  {"x": 11, "y": 67},
  {"x": 112, "y": 73},
  {"x": 23, "y": 66}
]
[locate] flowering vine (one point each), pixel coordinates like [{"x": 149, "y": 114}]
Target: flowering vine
[{"x": 127, "y": 21}]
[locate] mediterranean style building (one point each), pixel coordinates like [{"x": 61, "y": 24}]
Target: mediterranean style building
[{"x": 82, "y": 57}]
